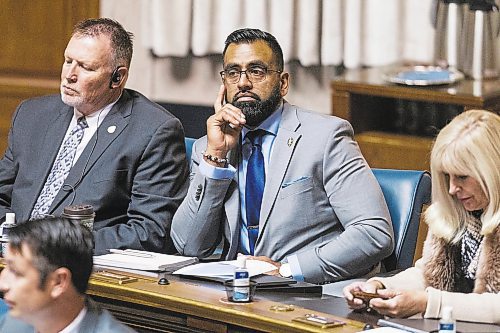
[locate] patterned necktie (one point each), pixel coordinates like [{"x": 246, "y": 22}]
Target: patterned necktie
[
  {"x": 255, "y": 181},
  {"x": 60, "y": 170}
]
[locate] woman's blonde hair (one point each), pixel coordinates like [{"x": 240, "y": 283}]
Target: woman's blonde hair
[{"x": 468, "y": 146}]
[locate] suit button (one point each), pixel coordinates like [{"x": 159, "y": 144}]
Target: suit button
[{"x": 199, "y": 189}]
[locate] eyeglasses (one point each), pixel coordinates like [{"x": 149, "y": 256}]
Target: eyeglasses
[{"x": 254, "y": 74}]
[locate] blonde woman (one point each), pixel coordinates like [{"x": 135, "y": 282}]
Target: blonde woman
[{"x": 460, "y": 266}]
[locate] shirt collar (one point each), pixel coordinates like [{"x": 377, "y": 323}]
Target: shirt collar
[
  {"x": 74, "y": 326},
  {"x": 105, "y": 109},
  {"x": 96, "y": 116}
]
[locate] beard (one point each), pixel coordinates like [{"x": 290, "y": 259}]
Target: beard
[
  {"x": 257, "y": 111},
  {"x": 72, "y": 100}
]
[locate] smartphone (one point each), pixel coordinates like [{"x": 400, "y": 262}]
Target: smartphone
[{"x": 366, "y": 297}]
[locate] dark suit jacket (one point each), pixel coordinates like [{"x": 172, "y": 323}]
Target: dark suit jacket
[
  {"x": 96, "y": 320},
  {"x": 135, "y": 177}
]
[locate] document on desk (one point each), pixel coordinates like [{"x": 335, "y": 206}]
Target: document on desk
[
  {"x": 143, "y": 260},
  {"x": 385, "y": 330},
  {"x": 224, "y": 269}
]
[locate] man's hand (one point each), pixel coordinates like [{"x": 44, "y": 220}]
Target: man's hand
[
  {"x": 400, "y": 303},
  {"x": 223, "y": 127},
  {"x": 268, "y": 260}
]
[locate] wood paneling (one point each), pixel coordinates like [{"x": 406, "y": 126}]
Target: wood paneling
[
  {"x": 15, "y": 90},
  {"x": 35, "y": 33},
  {"x": 34, "y": 36}
]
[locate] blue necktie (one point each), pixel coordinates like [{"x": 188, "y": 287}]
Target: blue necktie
[
  {"x": 60, "y": 170},
  {"x": 255, "y": 180}
]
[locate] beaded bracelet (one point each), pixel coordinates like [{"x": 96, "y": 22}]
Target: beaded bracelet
[{"x": 215, "y": 159}]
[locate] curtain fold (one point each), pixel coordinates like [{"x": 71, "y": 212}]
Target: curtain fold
[{"x": 314, "y": 32}]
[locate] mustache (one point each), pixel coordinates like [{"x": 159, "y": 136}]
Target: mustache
[
  {"x": 245, "y": 94},
  {"x": 68, "y": 87}
]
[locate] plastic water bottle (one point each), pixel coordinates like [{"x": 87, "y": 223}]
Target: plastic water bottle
[
  {"x": 447, "y": 323},
  {"x": 241, "y": 281},
  {"x": 10, "y": 221}
]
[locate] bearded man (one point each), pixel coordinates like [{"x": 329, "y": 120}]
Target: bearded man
[{"x": 279, "y": 183}]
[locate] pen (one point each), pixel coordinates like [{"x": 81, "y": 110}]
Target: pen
[{"x": 133, "y": 253}]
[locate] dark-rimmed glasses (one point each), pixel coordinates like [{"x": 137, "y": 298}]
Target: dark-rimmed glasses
[{"x": 254, "y": 74}]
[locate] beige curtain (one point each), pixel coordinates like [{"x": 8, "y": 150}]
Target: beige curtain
[{"x": 314, "y": 32}]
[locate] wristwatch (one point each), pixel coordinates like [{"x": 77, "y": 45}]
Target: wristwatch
[{"x": 285, "y": 270}]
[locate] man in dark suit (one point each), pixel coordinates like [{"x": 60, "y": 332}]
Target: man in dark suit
[
  {"x": 100, "y": 144},
  {"x": 278, "y": 182},
  {"x": 48, "y": 265}
]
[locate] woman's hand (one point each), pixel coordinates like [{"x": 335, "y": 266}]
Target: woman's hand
[
  {"x": 367, "y": 287},
  {"x": 400, "y": 304}
]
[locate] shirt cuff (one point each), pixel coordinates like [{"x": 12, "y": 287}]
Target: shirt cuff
[
  {"x": 433, "y": 303},
  {"x": 214, "y": 172},
  {"x": 295, "y": 267}
]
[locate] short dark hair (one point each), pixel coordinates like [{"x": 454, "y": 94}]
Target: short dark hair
[
  {"x": 57, "y": 242},
  {"x": 121, "y": 40},
  {"x": 248, "y": 35}
]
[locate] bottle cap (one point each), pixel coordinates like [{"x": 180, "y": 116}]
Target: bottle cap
[
  {"x": 447, "y": 312},
  {"x": 10, "y": 218},
  {"x": 241, "y": 261}
]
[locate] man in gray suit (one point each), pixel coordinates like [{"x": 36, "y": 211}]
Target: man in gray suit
[
  {"x": 97, "y": 143},
  {"x": 48, "y": 263},
  {"x": 277, "y": 182}
]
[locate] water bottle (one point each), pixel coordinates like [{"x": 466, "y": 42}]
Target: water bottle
[
  {"x": 447, "y": 323},
  {"x": 241, "y": 281},
  {"x": 10, "y": 221}
]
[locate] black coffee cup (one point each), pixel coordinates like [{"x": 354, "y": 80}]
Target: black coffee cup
[{"x": 83, "y": 214}]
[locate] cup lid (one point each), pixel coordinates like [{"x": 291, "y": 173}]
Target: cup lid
[{"x": 78, "y": 210}]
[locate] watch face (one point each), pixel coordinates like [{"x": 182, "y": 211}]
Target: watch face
[{"x": 285, "y": 270}]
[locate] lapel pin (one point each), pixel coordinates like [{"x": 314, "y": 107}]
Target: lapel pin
[
  {"x": 111, "y": 129},
  {"x": 289, "y": 142}
]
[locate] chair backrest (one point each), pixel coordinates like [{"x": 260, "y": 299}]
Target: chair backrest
[
  {"x": 405, "y": 192},
  {"x": 189, "y": 148}
]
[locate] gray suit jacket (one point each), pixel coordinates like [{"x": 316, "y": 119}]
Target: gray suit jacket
[
  {"x": 135, "y": 177},
  {"x": 96, "y": 320},
  {"x": 320, "y": 202}
]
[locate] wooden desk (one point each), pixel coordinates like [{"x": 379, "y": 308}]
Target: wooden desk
[
  {"x": 187, "y": 306},
  {"x": 395, "y": 124}
]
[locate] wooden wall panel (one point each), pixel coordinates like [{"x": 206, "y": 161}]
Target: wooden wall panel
[
  {"x": 35, "y": 33},
  {"x": 12, "y": 92},
  {"x": 34, "y": 36}
]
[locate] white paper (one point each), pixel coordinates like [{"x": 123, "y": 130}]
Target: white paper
[
  {"x": 225, "y": 269},
  {"x": 143, "y": 260}
]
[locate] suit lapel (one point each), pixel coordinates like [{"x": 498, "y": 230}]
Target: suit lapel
[
  {"x": 118, "y": 117},
  {"x": 283, "y": 149},
  {"x": 57, "y": 124},
  {"x": 232, "y": 205}
]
